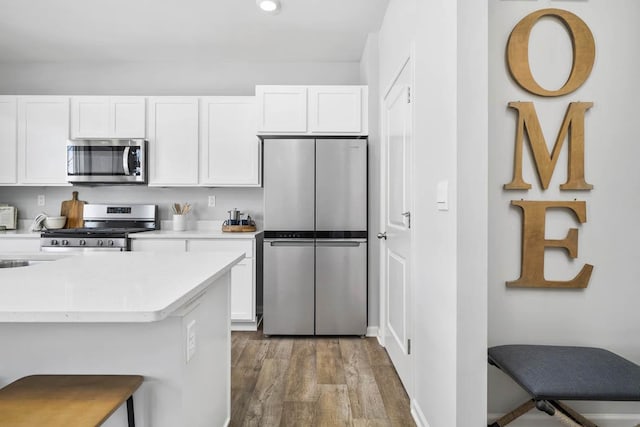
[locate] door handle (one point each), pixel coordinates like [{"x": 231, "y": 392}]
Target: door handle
[
  {"x": 382, "y": 235},
  {"x": 407, "y": 215},
  {"x": 125, "y": 161}
]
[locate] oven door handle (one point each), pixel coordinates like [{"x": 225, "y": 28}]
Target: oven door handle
[{"x": 125, "y": 160}]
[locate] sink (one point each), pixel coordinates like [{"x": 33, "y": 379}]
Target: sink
[{"x": 10, "y": 263}]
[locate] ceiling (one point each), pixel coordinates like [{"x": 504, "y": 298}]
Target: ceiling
[{"x": 185, "y": 30}]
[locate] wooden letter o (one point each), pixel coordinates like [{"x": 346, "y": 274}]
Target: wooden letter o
[{"x": 584, "y": 52}]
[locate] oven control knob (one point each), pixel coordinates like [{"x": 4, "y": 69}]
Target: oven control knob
[
  {"x": 100, "y": 243},
  {"x": 54, "y": 243},
  {"x": 65, "y": 243},
  {"x": 82, "y": 242},
  {"x": 111, "y": 243}
]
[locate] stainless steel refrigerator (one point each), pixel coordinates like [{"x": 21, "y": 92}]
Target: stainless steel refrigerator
[{"x": 315, "y": 246}]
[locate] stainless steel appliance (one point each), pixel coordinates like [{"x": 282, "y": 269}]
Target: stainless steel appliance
[
  {"x": 315, "y": 246},
  {"x": 107, "y": 228},
  {"x": 112, "y": 161}
]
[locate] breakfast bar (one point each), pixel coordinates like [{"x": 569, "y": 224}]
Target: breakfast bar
[{"x": 164, "y": 317}]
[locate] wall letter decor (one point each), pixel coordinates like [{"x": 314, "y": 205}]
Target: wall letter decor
[
  {"x": 584, "y": 52},
  {"x": 534, "y": 244}
]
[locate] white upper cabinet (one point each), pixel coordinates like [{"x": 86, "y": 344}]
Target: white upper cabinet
[
  {"x": 282, "y": 109},
  {"x": 8, "y": 140},
  {"x": 337, "y": 109},
  {"x": 229, "y": 148},
  {"x": 312, "y": 110},
  {"x": 173, "y": 141},
  {"x": 43, "y": 132},
  {"x": 108, "y": 117}
]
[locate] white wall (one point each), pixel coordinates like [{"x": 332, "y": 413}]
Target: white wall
[
  {"x": 449, "y": 248},
  {"x": 247, "y": 200},
  {"x": 369, "y": 67},
  {"x": 605, "y": 314},
  {"x": 167, "y": 78}
]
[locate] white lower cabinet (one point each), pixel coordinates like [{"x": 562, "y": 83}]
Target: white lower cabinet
[
  {"x": 20, "y": 245},
  {"x": 244, "y": 280}
]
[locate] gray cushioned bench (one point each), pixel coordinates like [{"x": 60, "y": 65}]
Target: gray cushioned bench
[{"x": 553, "y": 373}]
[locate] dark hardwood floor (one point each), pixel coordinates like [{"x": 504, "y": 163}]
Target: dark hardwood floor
[{"x": 314, "y": 382}]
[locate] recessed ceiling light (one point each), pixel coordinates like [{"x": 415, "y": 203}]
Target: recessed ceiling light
[{"x": 269, "y": 6}]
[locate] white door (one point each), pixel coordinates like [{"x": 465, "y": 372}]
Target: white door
[{"x": 396, "y": 206}]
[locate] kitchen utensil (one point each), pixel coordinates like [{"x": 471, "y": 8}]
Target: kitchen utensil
[
  {"x": 73, "y": 210},
  {"x": 54, "y": 222}
]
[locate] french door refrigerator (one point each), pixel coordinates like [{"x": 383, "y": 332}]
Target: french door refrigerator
[{"x": 315, "y": 245}]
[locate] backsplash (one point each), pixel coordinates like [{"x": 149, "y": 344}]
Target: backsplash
[{"x": 247, "y": 200}]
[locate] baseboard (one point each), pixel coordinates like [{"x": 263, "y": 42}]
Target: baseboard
[
  {"x": 418, "y": 415},
  {"x": 539, "y": 419},
  {"x": 372, "y": 331}
]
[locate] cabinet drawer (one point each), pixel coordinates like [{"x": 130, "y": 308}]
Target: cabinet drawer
[
  {"x": 158, "y": 245},
  {"x": 19, "y": 245},
  {"x": 219, "y": 245}
]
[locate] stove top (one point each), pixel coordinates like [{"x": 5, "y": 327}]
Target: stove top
[{"x": 117, "y": 232}]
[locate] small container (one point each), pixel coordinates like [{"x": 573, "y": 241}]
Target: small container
[
  {"x": 179, "y": 222},
  {"x": 54, "y": 222}
]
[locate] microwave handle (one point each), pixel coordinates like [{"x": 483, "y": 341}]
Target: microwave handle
[{"x": 125, "y": 161}]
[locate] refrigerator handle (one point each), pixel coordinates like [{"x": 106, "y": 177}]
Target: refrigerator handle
[
  {"x": 295, "y": 243},
  {"x": 339, "y": 244}
]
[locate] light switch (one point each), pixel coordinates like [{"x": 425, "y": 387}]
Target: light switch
[{"x": 442, "y": 196}]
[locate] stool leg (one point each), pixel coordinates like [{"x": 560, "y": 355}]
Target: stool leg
[
  {"x": 516, "y": 413},
  {"x": 563, "y": 407},
  {"x": 130, "y": 417}
]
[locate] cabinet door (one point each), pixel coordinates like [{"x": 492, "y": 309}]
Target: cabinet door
[
  {"x": 90, "y": 117},
  {"x": 173, "y": 141},
  {"x": 158, "y": 245},
  {"x": 282, "y": 109},
  {"x": 243, "y": 277},
  {"x": 243, "y": 299},
  {"x": 127, "y": 116},
  {"x": 8, "y": 140},
  {"x": 16, "y": 245},
  {"x": 108, "y": 117},
  {"x": 336, "y": 109},
  {"x": 230, "y": 148},
  {"x": 43, "y": 131}
]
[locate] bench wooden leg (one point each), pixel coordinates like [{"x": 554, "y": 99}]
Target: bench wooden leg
[
  {"x": 516, "y": 413},
  {"x": 130, "y": 416},
  {"x": 570, "y": 412}
]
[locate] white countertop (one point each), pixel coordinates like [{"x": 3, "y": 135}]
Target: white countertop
[
  {"x": 194, "y": 234},
  {"x": 20, "y": 234},
  {"x": 108, "y": 287}
]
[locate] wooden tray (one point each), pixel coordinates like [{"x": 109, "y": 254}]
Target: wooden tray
[{"x": 238, "y": 228}]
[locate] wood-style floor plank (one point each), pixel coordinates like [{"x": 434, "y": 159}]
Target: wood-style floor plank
[
  {"x": 296, "y": 414},
  {"x": 302, "y": 382},
  {"x": 333, "y": 407},
  {"x": 329, "y": 366},
  {"x": 365, "y": 397},
  {"x": 265, "y": 406},
  {"x": 396, "y": 401},
  {"x": 324, "y": 381}
]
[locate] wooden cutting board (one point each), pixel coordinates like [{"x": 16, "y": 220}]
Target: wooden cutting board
[{"x": 73, "y": 210}]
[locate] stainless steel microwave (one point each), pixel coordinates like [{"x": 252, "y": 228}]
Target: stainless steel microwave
[{"x": 107, "y": 161}]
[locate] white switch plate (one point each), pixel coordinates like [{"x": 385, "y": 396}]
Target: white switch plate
[
  {"x": 191, "y": 340},
  {"x": 41, "y": 200},
  {"x": 442, "y": 195},
  {"x": 212, "y": 201}
]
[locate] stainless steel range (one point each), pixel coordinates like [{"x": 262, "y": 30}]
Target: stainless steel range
[{"x": 107, "y": 228}]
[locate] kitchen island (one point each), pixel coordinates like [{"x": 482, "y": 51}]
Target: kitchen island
[{"x": 163, "y": 316}]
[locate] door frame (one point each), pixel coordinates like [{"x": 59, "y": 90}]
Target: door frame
[{"x": 410, "y": 59}]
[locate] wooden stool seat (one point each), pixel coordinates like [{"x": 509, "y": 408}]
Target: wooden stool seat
[{"x": 66, "y": 400}]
